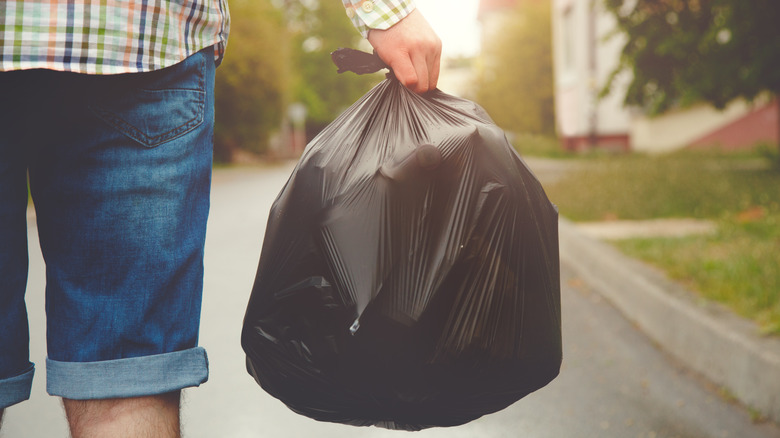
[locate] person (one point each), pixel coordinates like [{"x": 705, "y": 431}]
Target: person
[{"x": 108, "y": 108}]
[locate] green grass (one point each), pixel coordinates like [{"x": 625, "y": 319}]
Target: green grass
[
  {"x": 699, "y": 185},
  {"x": 739, "y": 265},
  {"x": 539, "y": 146}
]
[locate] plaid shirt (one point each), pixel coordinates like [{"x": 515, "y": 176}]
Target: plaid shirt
[
  {"x": 376, "y": 14},
  {"x": 108, "y": 36},
  {"x": 129, "y": 36}
]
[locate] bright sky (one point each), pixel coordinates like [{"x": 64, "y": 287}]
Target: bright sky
[{"x": 457, "y": 26}]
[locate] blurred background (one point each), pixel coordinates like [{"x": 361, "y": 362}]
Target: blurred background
[
  {"x": 657, "y": 109},
  {"x": 634, "y": 75}
]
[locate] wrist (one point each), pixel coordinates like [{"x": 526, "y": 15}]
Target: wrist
[{"x": 367, "y": 15}]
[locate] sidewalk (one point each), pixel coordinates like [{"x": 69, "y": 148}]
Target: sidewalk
[{"x": 705, "y": 337}]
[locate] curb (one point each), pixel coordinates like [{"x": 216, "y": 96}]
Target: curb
[{"x": 705, "y": 337}]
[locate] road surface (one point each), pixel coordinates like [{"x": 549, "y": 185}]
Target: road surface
[{"x": 614, "y": 383}]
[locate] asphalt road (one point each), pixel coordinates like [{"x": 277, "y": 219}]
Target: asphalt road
[{"x": 613, "y": 383}]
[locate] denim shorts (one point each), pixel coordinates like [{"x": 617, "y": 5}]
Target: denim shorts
[{"x": 119, "y": 171}]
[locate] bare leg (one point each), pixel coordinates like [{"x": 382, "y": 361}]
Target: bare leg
[{"x": 152, "y": 416}]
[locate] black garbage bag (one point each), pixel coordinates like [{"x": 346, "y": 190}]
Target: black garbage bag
[{"x": 409, "y": 275}]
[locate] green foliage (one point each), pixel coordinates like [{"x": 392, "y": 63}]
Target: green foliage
[
  {"x": 515, "y": 86},
  {"x": 772, "y": 155},
  {"x": 251, "y": 82},
  {"x": 320, "y": 27},
  {"x": 685, "y": 51},
  {"x": 279, "y": 53}
]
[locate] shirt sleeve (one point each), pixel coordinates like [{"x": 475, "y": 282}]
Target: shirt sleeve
[{"x": 377, "y": 14}]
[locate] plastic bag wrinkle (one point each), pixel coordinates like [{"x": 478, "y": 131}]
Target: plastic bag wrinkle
[{"x": 409, "y": 273}]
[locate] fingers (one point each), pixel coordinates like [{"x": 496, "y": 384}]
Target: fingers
[
  {"x": 433, "y": 73},
  {"x": 412, "y": 49},
  {"x": 415, "y": 70},
  {"x": 423, "y": 68},
  {"x": 406, "y": 72},
  {"x": 437, "y": 66}
]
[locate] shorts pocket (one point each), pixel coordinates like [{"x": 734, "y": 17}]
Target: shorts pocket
[
  {"x": 153, "y": 117},
  {"x": 158, "y": 106}
]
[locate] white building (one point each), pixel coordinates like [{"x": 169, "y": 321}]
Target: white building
[
  {"x": 583, "y": 61},
  {"x": 584, "y": 58}
]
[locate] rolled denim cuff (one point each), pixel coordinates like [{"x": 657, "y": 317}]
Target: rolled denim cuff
[
  {"x": 16, "y": 389},
  {"x": 132, "y": 377}
]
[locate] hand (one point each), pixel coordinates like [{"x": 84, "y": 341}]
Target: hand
[{"x": 412, "y": 49}]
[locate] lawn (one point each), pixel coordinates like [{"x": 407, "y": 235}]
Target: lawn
[{"x": 739, "y": 265}]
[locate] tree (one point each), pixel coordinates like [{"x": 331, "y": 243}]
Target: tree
[
  {"x": 252, "y": 81},
  {"x": 686, "y": 51},
  {"x": 516, "y": 84},
  {"x": 319, "y": 27},
  {"x": 279, "y": 53}
]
